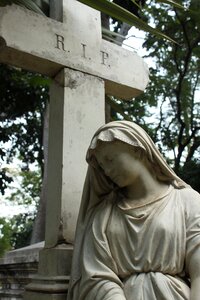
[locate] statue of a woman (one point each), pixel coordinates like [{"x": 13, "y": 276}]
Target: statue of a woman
[{"x": 138, "y": 232}]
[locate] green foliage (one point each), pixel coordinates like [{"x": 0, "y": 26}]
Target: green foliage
[
  {"x": 4, "y": 179},
  {"x": 132, "y": 110},
  {"x": 27, "y": 194},
  {"x": 23, "y": 101},
  {"x": 22, "y": 226},
  {"x": 16, "y": 232},
  {"x": 173, "y": 89},
  {"x": 5, "y": 235},
  {"x": 175, "y": 81},
  {"x": 190, "y": 172},
  {"x": 124, "y": 15},
  {"x": 28, "y": 191}
]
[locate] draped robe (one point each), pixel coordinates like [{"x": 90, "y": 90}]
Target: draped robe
[
  {"x": 124, "y": 252},
  {"x": 140, "y": 253}
]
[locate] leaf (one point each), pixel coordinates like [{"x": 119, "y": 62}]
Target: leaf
[
  {"x": 135, "y": 2},
  {"x": 123, "y": 15},
  {"x": 112, "y": 35},
  {"x": 30, "y": 5},
  {"x": 116, "y": 107},
  {"x": 170, "y": 2},
  {"x": 38, "y": 80},
  {"x": 25, "y": 3},
  {"x": 5, "y": 2}
]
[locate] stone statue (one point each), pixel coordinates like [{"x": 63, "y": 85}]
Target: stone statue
[{"x": 138, "y": 231}]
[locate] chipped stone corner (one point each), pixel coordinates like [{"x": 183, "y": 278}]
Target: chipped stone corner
[
  {"x": 69, "y": 78},
  {"x": 2, "y": 42}
]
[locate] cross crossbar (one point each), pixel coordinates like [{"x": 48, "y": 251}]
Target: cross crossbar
[{"x": 44, "y": 45}]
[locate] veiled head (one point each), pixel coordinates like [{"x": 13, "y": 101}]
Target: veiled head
[{"x": 139, "y": 144}]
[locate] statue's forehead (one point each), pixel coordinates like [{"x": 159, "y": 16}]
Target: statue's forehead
[{"x": 112, "y": 148}]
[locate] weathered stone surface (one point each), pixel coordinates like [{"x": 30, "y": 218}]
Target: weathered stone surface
[
  {"x": 52, "y": 279},
  {"x": 76, "y": 109},
  {"x": 83, "y": 68},
  {"x": 131, "y": 240},
  {"x": 16, "y": 270},
  {"x": 22, "y": 255},
  {"x": 44, "y": 45},
  {"x": 19, "y": 267}
]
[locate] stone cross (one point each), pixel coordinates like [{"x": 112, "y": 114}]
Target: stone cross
[
  {"x": 47, "y": 46},
  {"x": 83, "y": 68}
]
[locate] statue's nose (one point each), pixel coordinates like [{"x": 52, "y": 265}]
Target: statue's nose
[{"x": 108, "y": 171}]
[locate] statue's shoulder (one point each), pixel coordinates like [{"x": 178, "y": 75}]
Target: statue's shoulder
[
  {"x": 189, "y": 193},
  {"x": 191, "y": 201}
]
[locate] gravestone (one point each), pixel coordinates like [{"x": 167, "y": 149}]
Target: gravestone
[
  {"x": 83, "y": 68},
  {"x": 17, "y": 267}
]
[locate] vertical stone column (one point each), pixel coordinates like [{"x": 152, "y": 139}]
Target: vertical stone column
[{"x": 76, "y": 111}]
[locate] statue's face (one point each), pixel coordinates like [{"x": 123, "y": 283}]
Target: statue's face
[{"x": 119, "y": 163}]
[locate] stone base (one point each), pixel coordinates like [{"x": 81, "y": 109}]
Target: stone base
[
  {"x": 52, "y": 279},
  {"x": 49, "y": 288},
  {"x": 22, "y": 277},
  {"x": 16, "y": 270},
  {"x": 41, "y": 296}
]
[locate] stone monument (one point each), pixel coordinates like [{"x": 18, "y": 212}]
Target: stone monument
[{"x": 83, "y": 67}]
